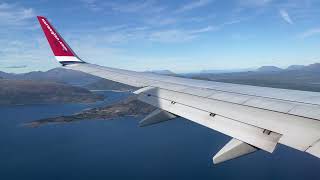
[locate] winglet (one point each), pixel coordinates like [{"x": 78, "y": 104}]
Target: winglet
[{"x": 61, "y": 50}]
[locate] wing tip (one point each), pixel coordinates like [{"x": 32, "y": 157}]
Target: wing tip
[
  {"x": 41, "y": 17},
  {"x": 61, "y": 50}
]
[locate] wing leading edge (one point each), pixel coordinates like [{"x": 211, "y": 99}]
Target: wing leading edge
[{"x": 255, "y": 117}]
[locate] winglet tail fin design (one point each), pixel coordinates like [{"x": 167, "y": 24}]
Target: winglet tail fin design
[{"x": 61, "y": 50}]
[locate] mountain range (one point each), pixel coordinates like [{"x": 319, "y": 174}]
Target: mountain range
[
  {"x": 54, "y": 86},
  {"x": 311, "y": 67},
  {"x": 294, "y": 77},
  {"x": 59, "y": 75},
  {"x": 16, "y": 92}
]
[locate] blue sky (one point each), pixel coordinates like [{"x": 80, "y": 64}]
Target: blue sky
[{"x": 183, "y": 36}]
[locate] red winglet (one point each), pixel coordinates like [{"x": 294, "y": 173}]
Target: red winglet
[{"x": 60, "y": 48}]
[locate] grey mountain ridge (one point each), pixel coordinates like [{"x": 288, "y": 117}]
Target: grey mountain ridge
[
  {"x": 54, "y": 86},
  {"x": 55, "y": 75},
  {"x": 305, "y": 78},
  {"x": 163, "y": 72},
  {"x": 295, "y": 67},
  {"x": 18, "y": 92},
  {"x": 269, "y": 69}
]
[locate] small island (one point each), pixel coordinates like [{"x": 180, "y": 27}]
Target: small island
[{"x": 125, "y": 108}]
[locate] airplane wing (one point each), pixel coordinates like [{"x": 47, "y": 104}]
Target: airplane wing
[{"x": 255, "y": 117}]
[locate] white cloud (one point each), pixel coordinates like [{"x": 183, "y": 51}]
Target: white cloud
[
  {"x": 142, "y": 34},
  {"x": 161, "y": 20},
  {"x": 193, "y": 5},
  {"x": 113, "y": 28},
  {"x": 309, "y": 33},
  {"x": 33, "y": 51},
  {"x": 285, "y": 16},
  {"x": 174, "y": 35},
  {"x": 123, "y": 34},
  {"x": 142, "y": 6},
  {"x": 178, "y": 35},
  {"x": 92, "y": 4},
  {"x": 14, "y": 15},
  {"x": 15, "y": 49},
  {"x": 254, "y": 3},
  {"x": 204, "y": 30}
]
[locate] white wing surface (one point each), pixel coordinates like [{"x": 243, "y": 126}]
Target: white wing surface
[{"x": 255, "y": 117}]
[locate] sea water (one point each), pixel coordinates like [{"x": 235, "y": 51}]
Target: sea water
[{"x": 119, "y": 149}]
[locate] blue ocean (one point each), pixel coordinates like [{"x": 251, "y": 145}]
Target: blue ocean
[{"x": 119, "y": 149}]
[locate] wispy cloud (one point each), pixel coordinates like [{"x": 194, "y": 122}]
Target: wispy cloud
[
  {"x": 34, "y": 50},
  {"x": 113, "y": 28},
  {"x": 146, "y": 11},
  {"x": 92, "y": 5},
  {"x": 12, "y": 14},
  {"x": 123, "y": 34},
  {"x": 309, "y": 33},
  {"x": 178, "y": 35},
  {"x": 285, "y": 16},
  {"x": 193, "y": 5},
  {"x": 146, "y": 35},
  {"x": 142, "y": 6},
  {"x": 254, "y": 3},
  {"x": 161, "y": 20},
  {"x": 17, "y": 20}
]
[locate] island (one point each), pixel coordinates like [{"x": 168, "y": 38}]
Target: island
[{"x": 129, "y": 107}]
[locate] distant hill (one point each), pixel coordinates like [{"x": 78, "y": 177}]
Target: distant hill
[
  {"x": 294, "y": 77},
  {"x": 213, "y": 71},
  {"x": 54, "y": 86},
  {"x": 163, "y": 72},
  {"x": 312, "y": 67},
  {"x": 14, "y": 92},
  {"x": 4, "y": 75},
  {"x": 264, "y": 69},
  {"x": 269, "y": 69},
  {"x": 55, "y": 75},
  {"x": 302, "y": 78},
  {"x": 295, "y": 67}
]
